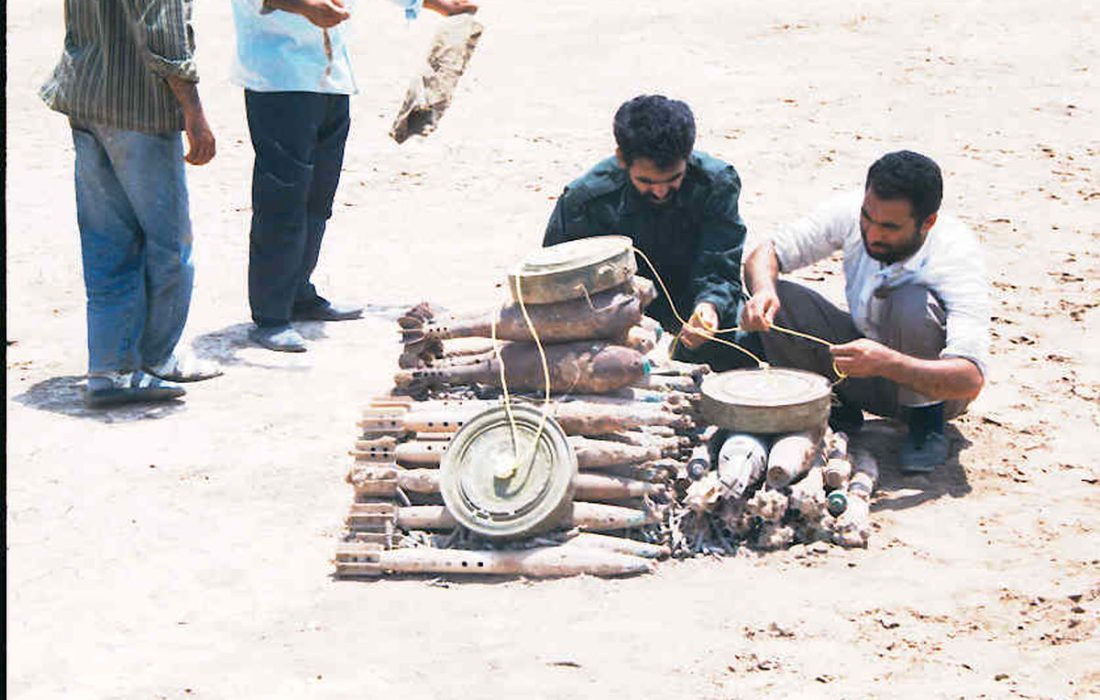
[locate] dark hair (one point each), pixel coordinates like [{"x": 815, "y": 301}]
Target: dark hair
[
  {"x": 911, "y": 176},
  {"x": 655, "y": 127}
]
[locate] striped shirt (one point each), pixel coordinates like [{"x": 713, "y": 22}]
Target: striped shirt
[{"x": 118, "y": 54}]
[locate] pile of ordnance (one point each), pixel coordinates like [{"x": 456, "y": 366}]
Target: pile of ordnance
[
  {"x": 581, "y": 448},
  {"x": 772, "y": 491}
]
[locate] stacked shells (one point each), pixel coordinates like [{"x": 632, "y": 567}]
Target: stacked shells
[
  {"x": 631, "y": 431},
  {"x": 771, "y": 492}
]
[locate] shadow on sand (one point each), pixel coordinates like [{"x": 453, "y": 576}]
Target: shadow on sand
[
  {"x": 897, "y": 491},
  {"x": 65, "y": 396},
  {"x": 225, "y": 345}
]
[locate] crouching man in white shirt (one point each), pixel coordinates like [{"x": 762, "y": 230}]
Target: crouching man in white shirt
[{"x": 914, "y": 344}]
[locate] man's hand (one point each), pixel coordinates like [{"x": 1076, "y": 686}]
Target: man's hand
[
  {"x": 448, "y": 8},
  {"x": 322, "y": 13},
  {"x": 325, "y": 13},
  {"x": 863, "y": 358},
  {"x": 759, "y": 311},
  {"x": 200, "y": 139},
  {"x": 705, "y": 318}
]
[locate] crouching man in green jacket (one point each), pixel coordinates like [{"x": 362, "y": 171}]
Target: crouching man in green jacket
[{"x": 679, "y": 207}]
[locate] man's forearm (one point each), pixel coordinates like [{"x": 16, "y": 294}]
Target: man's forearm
[
  {"x": 187, "y": 94},
  {"x": 762, "y": 268},
  {"x": 944, "y": 379}
]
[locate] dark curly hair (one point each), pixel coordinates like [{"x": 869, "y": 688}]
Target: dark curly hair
[
  {"x": 911, "y": 176},
  {"x": 655, "y": 127}
]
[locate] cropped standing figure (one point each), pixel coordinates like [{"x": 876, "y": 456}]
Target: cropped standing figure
[
  {"x": 293, "y": 62},
  {"x": 914, "y": 343},
  {"x": 128, "y": 83}
]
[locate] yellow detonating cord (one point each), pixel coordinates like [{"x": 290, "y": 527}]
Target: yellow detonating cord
[
  {"x": 504, "y": 384},
  {"x": 712, "y": 335}
]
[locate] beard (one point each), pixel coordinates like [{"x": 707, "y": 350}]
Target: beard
[
  {"x": 890, "y": 254},
  {"x": 659, "y": 203}
]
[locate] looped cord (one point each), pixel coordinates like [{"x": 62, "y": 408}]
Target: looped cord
[
  {"x": 504, "y": 381},
  {"x": 712, "y": 335}
]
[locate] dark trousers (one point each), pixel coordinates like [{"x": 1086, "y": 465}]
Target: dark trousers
[
  {"x": 299, "y": 141},
  {"x": 912, "y": 321}
]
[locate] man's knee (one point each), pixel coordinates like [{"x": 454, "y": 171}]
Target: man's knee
[
  {"x": 914, "y": 301},
  {"x": 914, "y": 322}
]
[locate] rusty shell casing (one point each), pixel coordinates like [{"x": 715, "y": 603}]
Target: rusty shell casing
[
  {"x": 582, "y": 366},
  {"x": 670, "y": 446},
  {"x": 384, "y": 481},
  {"x": 592, "y": 540},
  {"x": 599, "y": 517},
  {"x": 594, "y": 454},
  {"x": 539, "y": 562},
  {"x": 609, "y": 314},
  {"x": 591, "y": 454},
  {"x": 380, "y": 517},
  {"x": 575, "y": 418},
  {"x": 583, "y": 418}
]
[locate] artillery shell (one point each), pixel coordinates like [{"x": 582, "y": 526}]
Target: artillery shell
[
  {"x": 622, "y": 545},
  {"x": 593, "y": 454},
  {"x": 808, "y": 495},
  {"x": 790, "y": 457},
  {"x": 382, "y": 481},
  {"x": 376, "y": 517},
  {"x": 595, "y": 367},
  {"x": 537, "y": 562}
]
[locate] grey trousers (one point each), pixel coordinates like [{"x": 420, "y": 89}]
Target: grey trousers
[{"x": 911, "y": 320}]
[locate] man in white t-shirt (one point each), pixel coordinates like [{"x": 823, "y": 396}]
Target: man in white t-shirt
[{"x": 914, "y": 343}]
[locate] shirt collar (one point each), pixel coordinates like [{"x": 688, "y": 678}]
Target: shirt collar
[{"x": 899, "y": 273}]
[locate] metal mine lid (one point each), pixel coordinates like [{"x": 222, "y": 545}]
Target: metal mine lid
[
  {"x": 491, "y": 491},
  {"x": 770, "y": 400},
  {"x": 571, "y": 269}
]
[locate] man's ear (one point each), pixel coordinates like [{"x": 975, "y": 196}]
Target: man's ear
[
  {"x": 619, "y": 157},
  {"x": 929, "y": 222}
]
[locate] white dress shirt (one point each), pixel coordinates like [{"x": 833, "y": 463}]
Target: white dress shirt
[{"x": 949, "y": 264}]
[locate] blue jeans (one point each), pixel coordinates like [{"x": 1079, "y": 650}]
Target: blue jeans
[
  {"x": 299, "y": 141},
  {"x": 135, "y": 239}
]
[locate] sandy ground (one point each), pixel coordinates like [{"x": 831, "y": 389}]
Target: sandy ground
[{"x": 183, "y": 551}]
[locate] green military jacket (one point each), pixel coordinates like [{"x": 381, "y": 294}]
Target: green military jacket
[{"x": 694, "y": 241}]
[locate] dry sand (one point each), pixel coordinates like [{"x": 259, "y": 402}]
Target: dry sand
[{"x": 183, "y": 551}]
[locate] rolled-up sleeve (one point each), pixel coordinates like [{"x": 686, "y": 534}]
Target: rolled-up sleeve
[
  {"x": 963, "y": 287},
  {"x": 716, "y": 272},
  {"x": 815, "y": 236},
  {"x": 163, "y": 29}
]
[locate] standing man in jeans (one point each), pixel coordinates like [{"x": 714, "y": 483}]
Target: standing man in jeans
[
  {"x": 127, "y": 81},
  {"x": 293, "y": 62}
]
